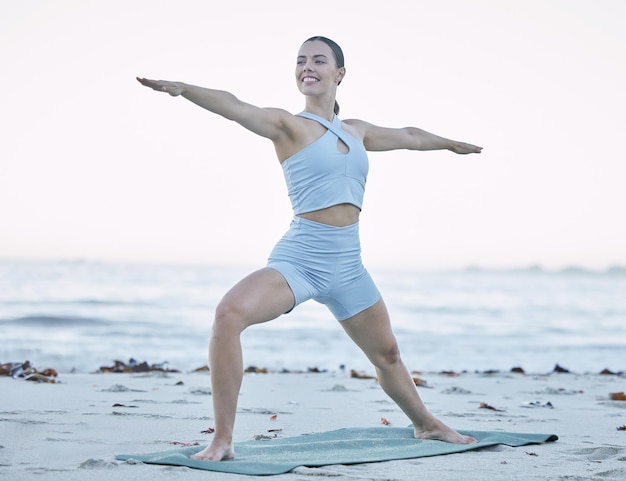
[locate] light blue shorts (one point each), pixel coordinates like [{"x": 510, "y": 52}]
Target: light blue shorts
[{"x": 323, "y": 262}]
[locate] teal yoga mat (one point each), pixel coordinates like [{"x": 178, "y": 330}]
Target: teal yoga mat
[{"x": 343, "y": 446}]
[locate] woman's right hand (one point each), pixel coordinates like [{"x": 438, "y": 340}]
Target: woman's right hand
[{"x": 172, "y": 88}]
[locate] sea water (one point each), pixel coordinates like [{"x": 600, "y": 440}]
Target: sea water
[{"x": 84, "y": 315}]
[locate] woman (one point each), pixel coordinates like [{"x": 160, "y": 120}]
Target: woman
[{"x": 325, "y": 165}]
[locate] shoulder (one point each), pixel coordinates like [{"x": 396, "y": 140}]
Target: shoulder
[
  {"x": 368, "y": 133},
  {"x": 357, "y": 128},
  {"x": 283, "y": 124}
]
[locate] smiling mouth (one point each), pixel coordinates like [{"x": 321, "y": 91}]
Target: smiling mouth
[{"x": 309, "y": 80}]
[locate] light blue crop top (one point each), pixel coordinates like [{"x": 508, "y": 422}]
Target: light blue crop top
[{"x": 320, "y": 176}]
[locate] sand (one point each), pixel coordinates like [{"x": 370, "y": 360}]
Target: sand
[{"x": 73, "y": 429}]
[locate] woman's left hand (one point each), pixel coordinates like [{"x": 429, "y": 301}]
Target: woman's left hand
[
  {"x": 463, "y": 148},
  {"x": 172, "y": 88}
]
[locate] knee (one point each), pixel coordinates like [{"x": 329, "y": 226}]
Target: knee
[
  {"x": 229, "y": 318},
  {"x": 388, "y": 357}
]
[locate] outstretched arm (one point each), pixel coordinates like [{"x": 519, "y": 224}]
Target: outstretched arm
[
  {"x": 381, "y": 138},
  {"x": 268, "y": 123}
]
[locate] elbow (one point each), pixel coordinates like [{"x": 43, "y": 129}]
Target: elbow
[
  {"x": 422, "y": 140},
  {"x": 415, "y": 138}
]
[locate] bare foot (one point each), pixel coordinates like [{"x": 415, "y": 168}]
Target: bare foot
[
  {"x": 441, "y": 432},
  {"x": 217, "y": 451}
]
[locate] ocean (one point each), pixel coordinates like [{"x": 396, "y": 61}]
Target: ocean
[{"x": 79, "y": 316}]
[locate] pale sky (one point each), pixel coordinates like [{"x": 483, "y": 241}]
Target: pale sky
[{"x": 94, "y": 166}]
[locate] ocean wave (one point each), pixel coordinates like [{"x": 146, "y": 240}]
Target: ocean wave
[{"x": 56, "y": 321}]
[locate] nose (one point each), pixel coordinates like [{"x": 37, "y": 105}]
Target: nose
[{"x": 307, "y": 66}]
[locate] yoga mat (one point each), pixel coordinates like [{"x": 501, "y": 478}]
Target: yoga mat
[{"x": 343, "y": 446}]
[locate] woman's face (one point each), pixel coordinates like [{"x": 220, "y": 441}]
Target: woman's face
[{"x": 316, "y": 68}]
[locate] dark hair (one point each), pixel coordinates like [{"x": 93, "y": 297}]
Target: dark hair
[{"x": 337, "y": 53}]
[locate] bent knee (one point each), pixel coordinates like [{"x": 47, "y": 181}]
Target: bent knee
[
  {"x": 388, "y": 356},
  {"x": 229, "y": 316}
]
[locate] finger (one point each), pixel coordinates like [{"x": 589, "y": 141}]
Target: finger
[{"x": 146, "y": 82}]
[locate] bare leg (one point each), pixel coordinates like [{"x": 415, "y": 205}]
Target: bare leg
[
  {"x": 260, "y": 297},
  {"x": 371, "y": 331}
]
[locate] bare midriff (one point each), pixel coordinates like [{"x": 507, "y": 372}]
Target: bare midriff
[{"x": 339, "y": 215}]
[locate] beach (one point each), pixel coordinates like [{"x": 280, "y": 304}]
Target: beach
[
  {"x": 462, "y": 332},
  {"x": 73, "y": 428}
]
